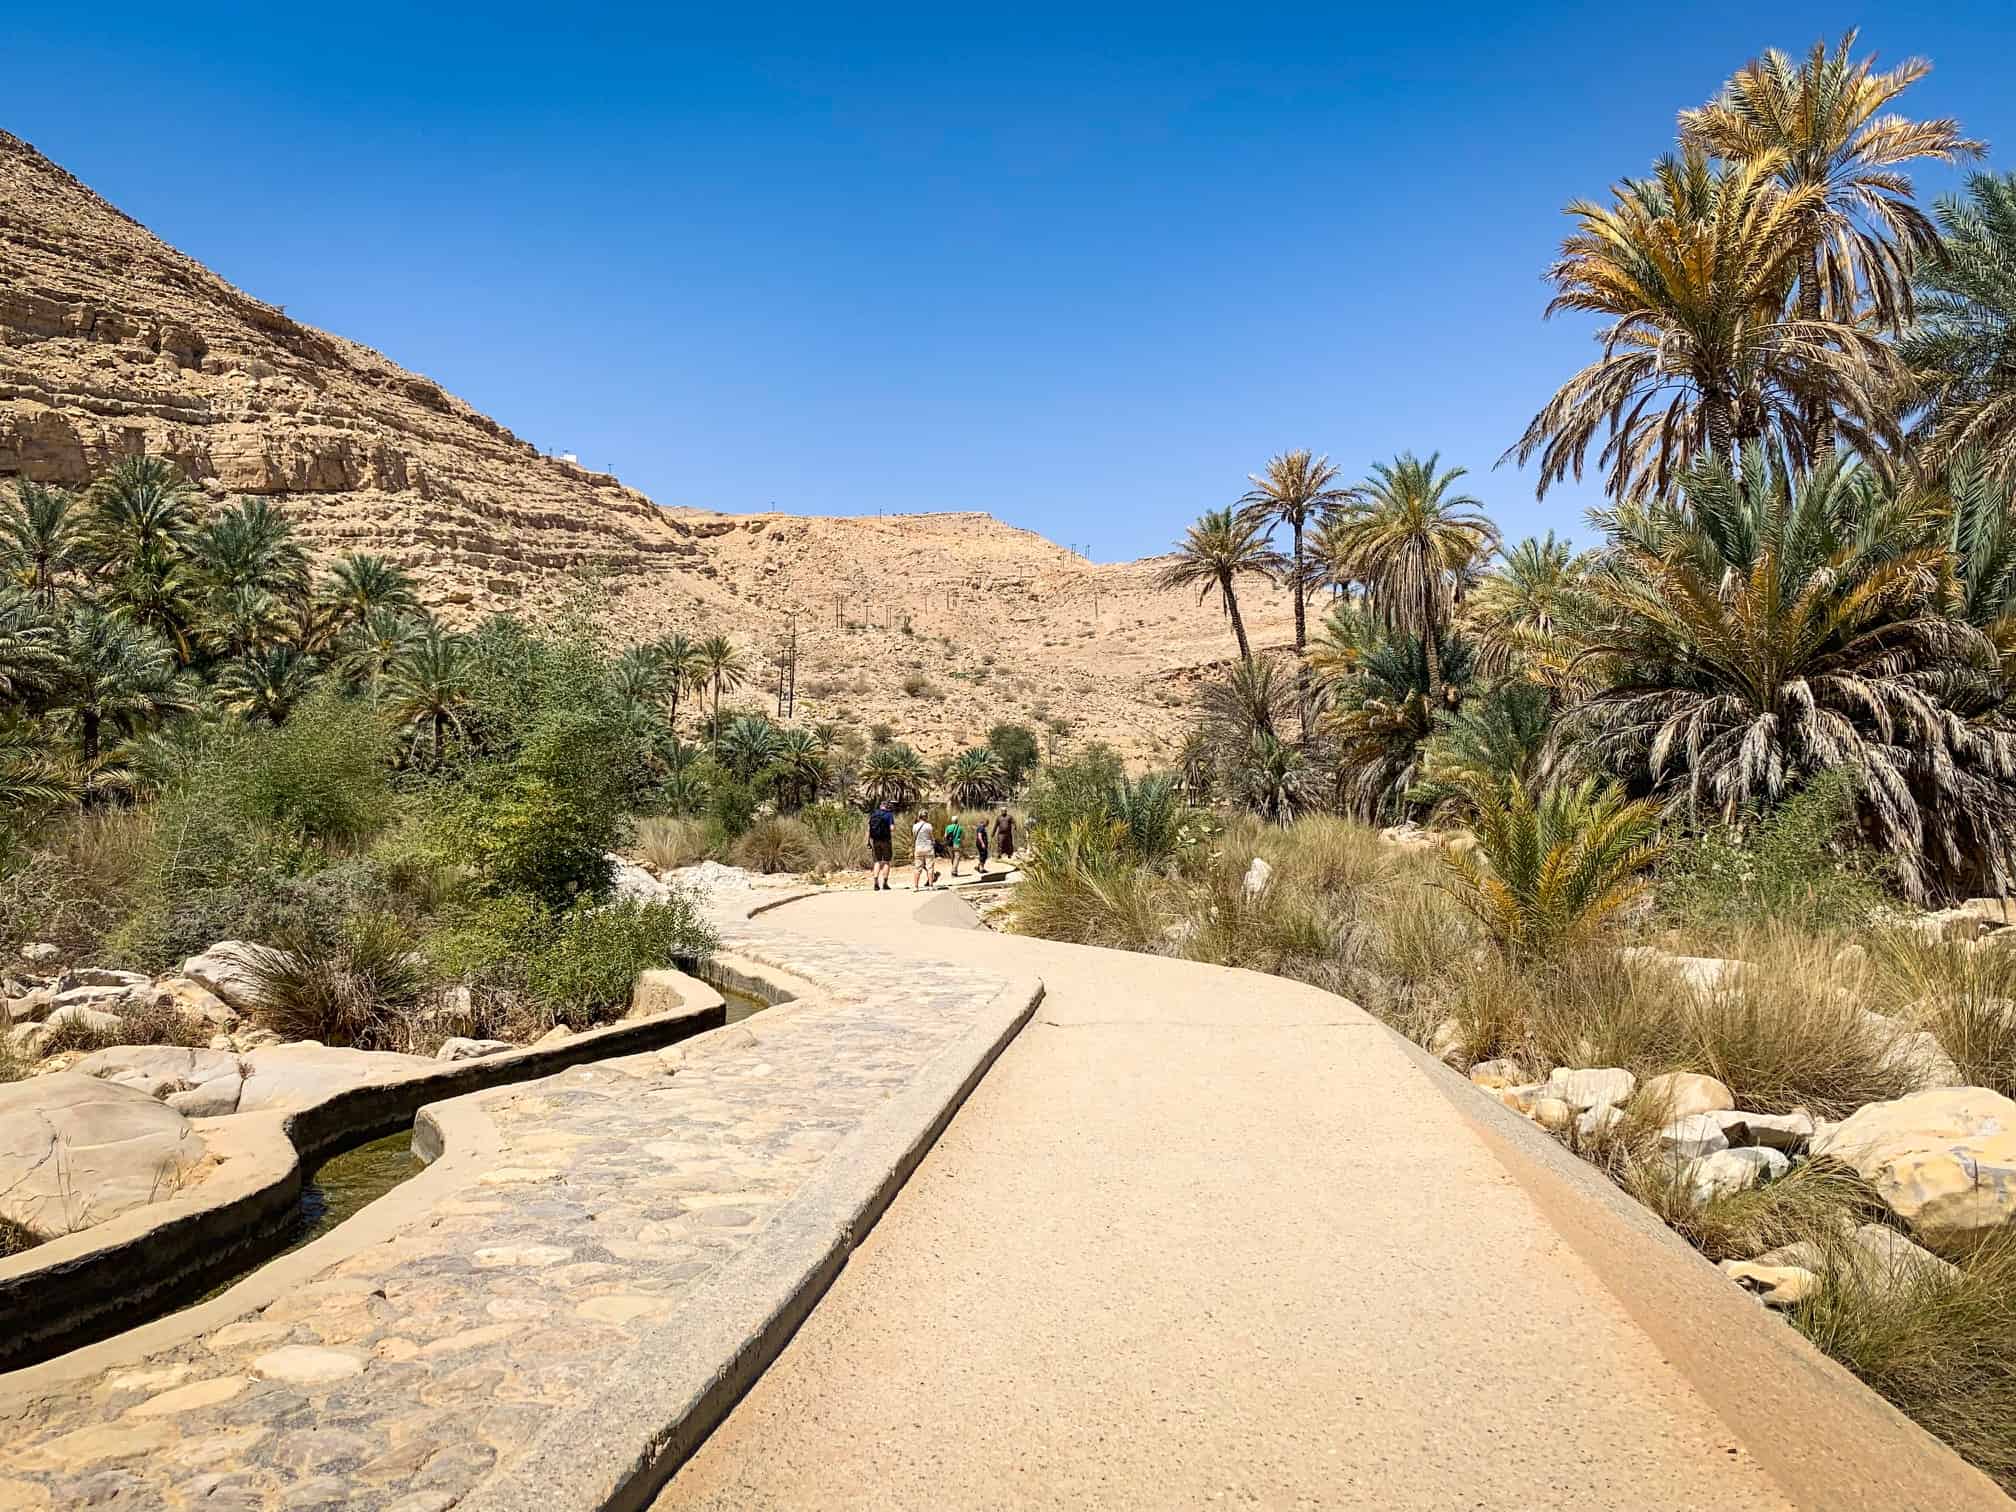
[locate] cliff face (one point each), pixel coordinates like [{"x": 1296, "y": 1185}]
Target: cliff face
[{"x": 112, "y": 342}]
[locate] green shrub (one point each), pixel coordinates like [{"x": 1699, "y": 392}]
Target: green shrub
[
  {"x": 731, "y": 808},
  {"x": 1014, "y": 746},
  {"x": 588, "y": 958},
  {"x": 358, "y": 985},
  {"x": 1803, "y": 863}
]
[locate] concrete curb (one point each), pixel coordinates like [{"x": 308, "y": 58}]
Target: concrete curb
[
  {"x": 612, "y": 1452},
  {"x": 85, "y": 1286}
]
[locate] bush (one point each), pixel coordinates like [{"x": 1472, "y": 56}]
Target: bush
[
  {"x": 1014, "y": 746},
  {"x": 776, "y": 845},
  {"x": 1965, "y": 996},
  {"x": 588, "y": 959},
  {"x": 357, "y": 985},
  {"x": 1803, "y": 863},
  {"x": 669, "y": 844},
  {"x": 75, "y": 881},
  {"x": 916, "y": 685},
  {"x": 1079, "y": 884},
  {"x": 731, "y": 808}
]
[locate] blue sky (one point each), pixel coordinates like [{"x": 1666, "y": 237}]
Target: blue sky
[{"x": 1082, "y": 271}]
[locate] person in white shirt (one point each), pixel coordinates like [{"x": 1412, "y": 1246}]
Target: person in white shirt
[{"x": 924, "y": 851}]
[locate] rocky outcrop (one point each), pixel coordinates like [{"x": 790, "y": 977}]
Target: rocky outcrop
[
  {"x": 1944, "y": 1160},
  {"x": 76, "y": 1150}
]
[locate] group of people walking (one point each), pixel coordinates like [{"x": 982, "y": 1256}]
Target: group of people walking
[{"x": 928, "y": 845}]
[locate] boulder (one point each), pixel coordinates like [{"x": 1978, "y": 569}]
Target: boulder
[
  {"x": 1446, "y": 1043},
  {"x": 288, "y": 1077},
  {"x": 25, "y": 1041},
  {"x": 75, "y": 1151},
  {"x": 31, "y": 1007},
  {"x": 1677, "y": 1094},
  {"x": 1258, "y": 875},
  {"x": 461, "y": 1048},
  {"x": 83, "y": 1016},
  {"x": 1880, "y": 1256},
  {"x": 1779, "y": 1286},
  {"x": 1583, "y": 1090},
  {"x": 1692, "y": 1137},
  {"x": 98, "y": 976},
  {"x": 1789, "y": 1132},
  {"x": 40, "y": 951},
  {"x": 110, "y": 999},
  {"x": 630, "y": 880},
  {"x": 555, "y": 1035},
  {"x": 1727, "y": 1172},
  {"x": 1520, "y": 1099},
  {"x": 196, "y": 1003},
  {"x": 140, "y": 1064},
  {"x": 1496, "y": 1073},
  {"x": 1598, "y": 1121},
  {"x": 1944, "y": 1160},
  {"x": 1552, "y": 1114},
  {"x": 225, "y": 971}
]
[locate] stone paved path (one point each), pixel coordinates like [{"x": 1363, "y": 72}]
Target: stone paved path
[{"x": 399, "y": 1379}]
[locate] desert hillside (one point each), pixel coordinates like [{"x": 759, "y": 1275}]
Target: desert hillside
[{"x": 113, "y": 342}]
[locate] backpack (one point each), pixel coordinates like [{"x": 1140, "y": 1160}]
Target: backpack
[{"x": 880, "y": 824}]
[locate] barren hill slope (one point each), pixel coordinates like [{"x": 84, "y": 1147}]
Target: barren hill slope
[{"x": 112, "y": 342}]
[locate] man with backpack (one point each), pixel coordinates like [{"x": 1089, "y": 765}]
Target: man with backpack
[{"x": 881, "y": 837}]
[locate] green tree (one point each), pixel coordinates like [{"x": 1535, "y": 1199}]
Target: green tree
[
  {"x": 1014, "y": 746},
  {"x": 112, "y": 672},
  {"x": 267, "y": 683},
  {"x": 894, "y": 774},
  {"x": 40, "y": 542},
  {"x": 1220, "y": 548},
  {"x": 1962, "y": 352},
  {"x": 1296, "y": 490},
  {"x": 428, "y": 685},
  {"x": 724, "y": 670},
  {"x": 975, "y": 778},
  {"x": 358, "y": 583}
]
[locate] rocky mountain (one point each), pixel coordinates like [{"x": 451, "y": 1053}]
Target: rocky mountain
[{"x": 112, "y": 342}]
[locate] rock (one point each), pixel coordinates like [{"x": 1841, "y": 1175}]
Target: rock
[
  {"x": 630, "y": 880},
  {"x": 1921, "y": 1051},
  {"x": 1950, "y": 924},
  {"x": 1727, "y": 1172},
  {"x": 1552, "y": 1114},
  {"x": 225, "y": 971},
  {"x": 255, "y": 1038},
  {"x": 555, "y": 1035},
  {"x": 289, "y": 1077},
  {"x": 1944, "y": 1160},
  {"x": 195, "y": 1083},
  {"x": 39, "y": 951},
  {"x": 75, "y": 1151},
  {"x": 1702, "y": 973},
  {"x": 1520, "y": 1099},
  {"x": 1680, "y": 1093},
  {"x": 1446, "y": 1043},
  {"x": 461, "y": 1048},
  {"x": 1879, "y": 1256},
  {"x": 1496, "y": 1073},
  {"x": 308, "y": 1365},
  {"x": 31, "y": 1007},
  {"x": 25, "y": 1041},
  {"x": 1258, "y": 875},
  {"x": 196, "y": 1003},
  {"x": 1598, "y": 1121},
  {"x": 1692, "y": 1137},
  {"x": 1583, "y": 1090},
  {"x": 81, "y": 1016},
  {"x": 1779, "y": 1286},
  {"x": 96, "y": 976},
  {"x": 1409, "y": 837},
  {"x": 1999, "y": 912},
  {"x": 1789, "y": 1132},
  {"x": 109, "y": 999}
]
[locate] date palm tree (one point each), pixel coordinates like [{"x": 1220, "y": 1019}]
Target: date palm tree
[
  {"x": 358, "y": 583},
  {"x": 240, "y": 619},
  {"x": 681, "y": 670},
  {"x": 1221, "y": 547},
  {"x": 251, "y": 544},
  {"x": 29, "y": 655},
  {"x": 1413, "y": 544},
  {"x": 110, "y": 671},
  {"x": 724, "y": 670},
  {"x": 1769, "y": 626},
  {"x": 893, "y": 774},
  {"x": 1692, "y": 267},
  {"x": 747, "y": 745},
  {"x": 1296, "y": 490},
  {"x": 1962, "y": 352},
  {"x": 40, "y": 541},
  {"x": 975, "y": 778},
  {"x": 266, "y": 683},
  {"x": 429, "y": 684},
  {"x": 800, "y": 766},
  {"x": 365, "y": 654},
  {"x": 141, "y": 518},
  {"x": 1535, "y": 591}
]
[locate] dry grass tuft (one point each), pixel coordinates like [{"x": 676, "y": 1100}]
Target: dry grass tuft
[
  {"x": 775, "y": 845},
  {"x": 1966, "y": 997},
  {"x": 667, "y": 844}
]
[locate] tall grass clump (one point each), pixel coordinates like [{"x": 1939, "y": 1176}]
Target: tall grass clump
[
  {"x": 357, "y": 985},
  {"x": 669, "y": 843},
  {"x": 1081, "y": 884},
  {"x": 776, "y": 845},
  {"x": 1965, "y": 996}
]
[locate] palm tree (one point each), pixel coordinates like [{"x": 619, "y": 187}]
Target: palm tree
[
  {"x": 1413, "y": 544},
  {"x": 893, "y": 774},
  {"x": 1534, "y": 592},
  {"x": 1816, "y": 123},
  {"x": 111, "y": 671},
  {"x": 366, "y": 652},
  {"x": 1275, "y": 780},
  {"x": 799, "y": 763},
  {"x": 31, "y": 777},
  {"x": 28, "y": 649},
  {"x": 680, "y": 666},
  {"x": 1251, "y": 698},
  {"x": 1981, "y": 541},
  {"x": 638, "y": 676},
  {"x": 142, "y": 517},
  {"x": 429, "y": 684},
  {"x": 267, "y": 683},
  {"x": 747, "y": 745},
  {"x": 358, "y": 583},
  {"x": 1214, "y": 553},
  {"x": 251, "y": 545},
  {"x": 1549, "y": 872},
  {"x": 1296, "y": 490},
  {"x": 1963, "y": 349},
  {"x": 723, "y": 668},
  {"x": 1692, "y": 267},
  {"x": 239, "y": 619},
  {"x": 40, "y": 543},
  {"x": 975, "y": 778},
  {"x": 1768, "y": 627},
  {"x": 1374, "y": 687}
]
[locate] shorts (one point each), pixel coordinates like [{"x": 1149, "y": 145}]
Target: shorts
[
  {"x": 879, "y": 847},
  {"x": 924, "y": 855}
]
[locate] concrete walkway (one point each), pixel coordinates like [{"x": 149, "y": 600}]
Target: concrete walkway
[{"x": 1204, "y": 1238}]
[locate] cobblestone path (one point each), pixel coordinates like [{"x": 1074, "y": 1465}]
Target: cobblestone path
[{"x": 398, "y": 1379}]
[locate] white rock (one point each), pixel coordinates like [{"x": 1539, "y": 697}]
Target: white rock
[
  {"x": 1944, "y": 1160},
  {"x": 293, "y": 1076},
  {"x": 30, "y": 1007},
  {"x": 39, "y": 951},
  {"x": 1258, "y": 875},
  {"x": 75, "y": 1151},
  {"x": 1496, "y": 1073},
  {"x": 82, "y": 1016},
  {"x": 461, "y": 1048},
  {"x": 308, "y": 1364},
  {"x": 1692, "y": 1137},
  {"x": 224, "y": 971},
  {"x": 632, "y": 881},
  {"x": 1789, "y": 1132},
  {"x": 1679, "y": 1093},
  {"x": 98, "y": 976},
  {"x": 1446, "y": 1043},
  {"x": 1598, "y": 1121},
  {"x": 1702, "y": 973},
  {"x": 1779, "y": 1286},
  {"x": 1552, "y": 1114},
  {"x": 1728, "y": 1172},
  {"x": 1586, "y": 1089}
]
